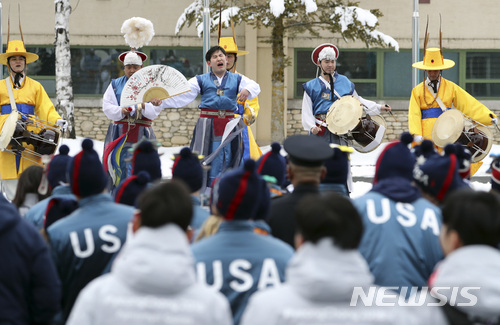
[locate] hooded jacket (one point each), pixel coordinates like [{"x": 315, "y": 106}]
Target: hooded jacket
[
  {"x": 30, "y": 290},
  {"x": 320, "y": 281},
  {"x": 152, "y": 281},
  {"x": 474, "y": 271}
]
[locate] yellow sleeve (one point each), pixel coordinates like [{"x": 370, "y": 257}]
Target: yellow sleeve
[
  {"x": 471, "y": 107},
  {"x": 44, "y": 109},
  {"x": 415, "y": 113},
  {"x": 253, "y": 103}
]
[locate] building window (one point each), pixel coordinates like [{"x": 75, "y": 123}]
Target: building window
[
  {"x": 93, "y": 68},
  {"x": 424, "y": 1},
  {"x": 482, "y": 73}
]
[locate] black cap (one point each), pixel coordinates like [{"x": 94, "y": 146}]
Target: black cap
[{"x": 307, "y": 150}]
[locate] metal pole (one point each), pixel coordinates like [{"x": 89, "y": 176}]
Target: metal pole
[
  {"x": 415, "y": 49},
  {"x": 206, "y": 32}
]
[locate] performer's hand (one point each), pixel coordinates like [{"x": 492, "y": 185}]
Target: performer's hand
[
  {"x": 156, "y": 101},
  {"x": 243, "y": 95},
  {"x": 248, "y": 115},
  {"x": 386, "y": 108},
  {"x": 63, "y": 124},
  {"x": 418, "y": 138},
  {"x": 127, "y": 110},
  {"x": 315, "y": 129}
]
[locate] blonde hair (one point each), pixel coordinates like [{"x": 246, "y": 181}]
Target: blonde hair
[{"x": 209, "y": 227}]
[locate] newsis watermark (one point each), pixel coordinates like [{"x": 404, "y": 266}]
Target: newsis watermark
[{"x": 387, "y": 297}]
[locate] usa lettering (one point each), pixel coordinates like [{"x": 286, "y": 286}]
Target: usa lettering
[
  {"x": 405, "y": 215},
  {"x": 112, "y": 243},
  {"x": 240, "y": 275}
]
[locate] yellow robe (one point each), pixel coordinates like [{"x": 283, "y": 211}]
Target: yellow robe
[
  {"x": 31, "y": 93},
  {"x": 451, "y": 94},
  {"x": 255, "y": 151}
]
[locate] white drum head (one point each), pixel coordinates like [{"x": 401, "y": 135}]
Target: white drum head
[
  {"x": 8, "y": 130},
  {"x": 155, "y": 81},
  {"x": 447, "y": 128},
  {"x": 344, "y": 114}
]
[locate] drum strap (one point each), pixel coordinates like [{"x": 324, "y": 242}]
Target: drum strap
[
  {"x": 438, "y": 100},
  {"x": 11, "y": 94}
]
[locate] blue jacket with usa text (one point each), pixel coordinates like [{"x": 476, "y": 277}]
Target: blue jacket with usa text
[
  {"x": 238, "y": 262},
  {"x": 83, "y": 243}
]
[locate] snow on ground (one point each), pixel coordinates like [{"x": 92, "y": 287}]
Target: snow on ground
[{"x": 363, "y": 164}]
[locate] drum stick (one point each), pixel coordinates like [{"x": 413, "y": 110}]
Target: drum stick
[
  {"x": 496, "y": 125},
  {"x": 393, "y": 116}
]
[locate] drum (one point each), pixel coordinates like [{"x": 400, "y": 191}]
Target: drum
[
  {"x": 448, "y": 127},
  {"x": 454, "y": 127},
  {"x": 345, "y": 118},
  {"x": 369, "y": 133},
  {"x": 18, "y": 134},
  {"x": 344, "y": 115},
  {"x": 478, "y": 140}
]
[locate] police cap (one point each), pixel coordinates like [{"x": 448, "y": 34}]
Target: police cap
[{"x": 307, "y": 150}]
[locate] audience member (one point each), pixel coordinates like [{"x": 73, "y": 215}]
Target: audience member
[
  {"x": 438, "y": 176},
  {"x": 30, "y": 291},
  {"x": 152, "y": 280},
  {"x": 466, "y": 281},
  {"x": 236, "y": 260},
  {"x": 83, "y": 243},
  {"x": 27, "y": 189},
  {"x": 401, "y": 237},
  {"x": 272, "y": 167},
  {"x": 423, "y": 151},
  {"x": 306, "y": 156},
  {"x": 337, "y": 171},
  {"x": 187, "y": 168},
  {"x": 324, "y": 273},
  {"x": 495, "y": 176},
  {"x": 130, "y": 189},
  {"x": 58, "y": 183}
]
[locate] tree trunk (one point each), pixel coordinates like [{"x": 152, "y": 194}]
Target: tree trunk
[
  {"x": 64, "y": 84},
  {"x": 278, "y": 83}
]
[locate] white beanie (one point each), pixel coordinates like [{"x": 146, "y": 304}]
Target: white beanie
[
  {"x": 328, "y": 53},
  {"x": 132, "y": 58}
]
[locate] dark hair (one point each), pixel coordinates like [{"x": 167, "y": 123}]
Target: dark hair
[
  {"x": 212, "y": 50},
  {"x": 475, "y": 215},
  {"x": 29, "y": 181},
  {"x": 329, "y": 216},
  {"x": 164, "y": 203}
]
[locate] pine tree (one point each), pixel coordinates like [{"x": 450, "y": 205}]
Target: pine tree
[{"x": 286, "y": 18}]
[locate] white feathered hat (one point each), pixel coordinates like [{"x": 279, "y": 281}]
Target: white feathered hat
[{"x": 138, "y": 32}]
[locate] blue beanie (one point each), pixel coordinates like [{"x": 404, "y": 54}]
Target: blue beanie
[
  {"x": 273, "y": 164},
  {"x": 464, "y": 157},
  {"x": 57, "y": 167},
  {"x": 129, "y": 190},
  {"x": 495, "y": 175},
  {"x": 238, "y": 193},
  {"x": 438, "y": 176},
  {"x": 423, "y": 151},
  {"x": 187, "y": 167},
  {"x": 86, "y": 173},
  {"x": 146, "y": 158},
  {"x": 396, "y": 160},
  {"x": 337, "y": 167}
]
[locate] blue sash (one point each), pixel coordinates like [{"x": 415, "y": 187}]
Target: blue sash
[
  {"x": 22, "y": 108},
  {"x": 433, "y": 112}
]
